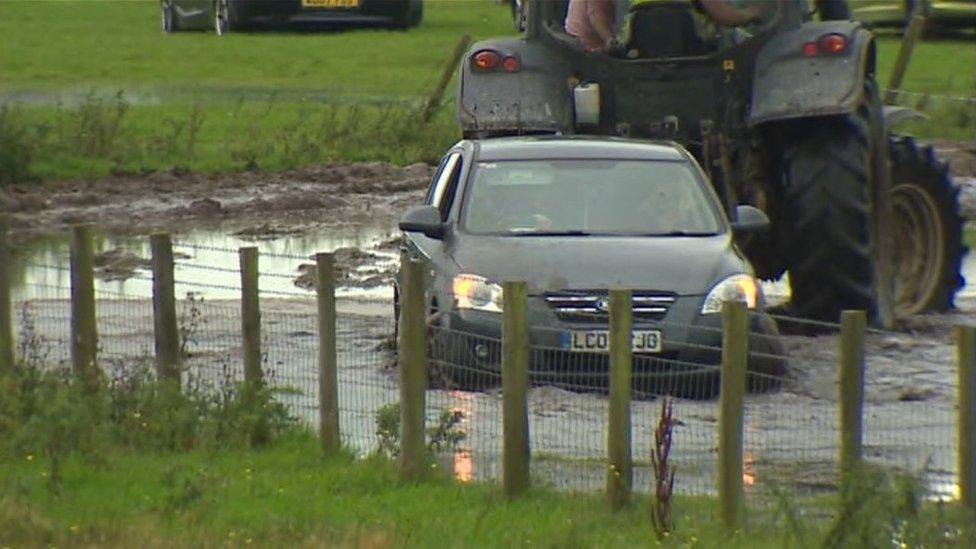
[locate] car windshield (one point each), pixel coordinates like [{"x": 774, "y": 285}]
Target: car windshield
[{"x": 584, "y": 197}]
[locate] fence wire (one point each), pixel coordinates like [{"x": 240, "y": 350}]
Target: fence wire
[{"x": 791, "y": 414}]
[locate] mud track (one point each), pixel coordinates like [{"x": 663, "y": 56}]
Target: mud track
[{"x": 250, "y": 205}]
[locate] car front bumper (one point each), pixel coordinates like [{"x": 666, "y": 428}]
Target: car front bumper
[{"x": 691, "y": 342}]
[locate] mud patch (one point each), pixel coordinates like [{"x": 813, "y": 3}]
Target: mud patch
[
  {"x": 252, "y": 205},
  {"x": 353, "y": 268},
  {"x": 119, "y": 264}
]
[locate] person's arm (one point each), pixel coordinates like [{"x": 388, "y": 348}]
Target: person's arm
[
  {"x": 600, "y": 14},
  {"x": 730, "y": 16}
]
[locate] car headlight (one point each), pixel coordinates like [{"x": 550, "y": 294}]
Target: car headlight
[
  {"x": 740, "y": 287},
  {"x": 475, "y": 292}
]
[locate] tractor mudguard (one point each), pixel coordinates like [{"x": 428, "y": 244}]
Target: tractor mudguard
[
  {"x": 787, "y": 83},
  {"x": 533, "y": 99}
]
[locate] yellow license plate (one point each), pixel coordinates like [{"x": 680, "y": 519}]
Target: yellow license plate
[{"x": 330, "y": 3}]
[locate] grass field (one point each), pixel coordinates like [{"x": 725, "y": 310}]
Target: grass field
[
  {"x": 288, "y": 495},
  {"x": 243, "y": 102}
]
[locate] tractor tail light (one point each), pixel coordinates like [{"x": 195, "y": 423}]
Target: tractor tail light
[
  {"x": 510, "y": 63},
  {"x": 832, "y": 43},
  {"x": 486, "y": 60},
  {"x": 828, "y": 44}
]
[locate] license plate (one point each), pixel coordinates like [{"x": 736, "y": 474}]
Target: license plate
[
  {"x": 330, "y": 3},
  {"x": 598, "y": 341}
]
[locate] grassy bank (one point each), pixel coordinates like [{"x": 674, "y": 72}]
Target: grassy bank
[
  {"x": 80, "y": 106},
  {"x": 288, "y": 494},
  {"x": 113, "y": 136}
]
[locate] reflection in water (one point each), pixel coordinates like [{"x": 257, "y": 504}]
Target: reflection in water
[
  {"x": 463, "y": 466},
  {"x": 946, "y": 490},
  {"x": 748, "y": 471},
  {"x": 206, "y": 263},
  {"x": 779, "y": 291},
  {"x": 463, "y": 460}
]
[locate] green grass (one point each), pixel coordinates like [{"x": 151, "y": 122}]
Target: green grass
[
  {"x": 969, "y": 237},
  {"x": 288, "y": 495},
  {"x": 277, "y": 100},
  {"x": 117, "y": 44}
]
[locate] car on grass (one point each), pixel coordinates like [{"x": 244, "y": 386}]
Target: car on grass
[
  {"x": 574, "y": 217},
  {"x": 225, "y": 16}
]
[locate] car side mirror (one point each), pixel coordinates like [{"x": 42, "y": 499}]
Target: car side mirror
[
  {"x": 423, "y": 219},
  {"x": 749, "y": 220}
]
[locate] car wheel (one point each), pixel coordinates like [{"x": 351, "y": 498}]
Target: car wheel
[
  {"x": 225, "y": 17},
  {"x": 463, "y": 362},
  {"x": 412, "y": 16},
  {"x": 168, "y": 17}
]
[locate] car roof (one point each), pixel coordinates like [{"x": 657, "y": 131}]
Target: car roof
[{"x": 576, "y": 147}]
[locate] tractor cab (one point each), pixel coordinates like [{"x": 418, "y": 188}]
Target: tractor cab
[{"x": 676, "y": 77}]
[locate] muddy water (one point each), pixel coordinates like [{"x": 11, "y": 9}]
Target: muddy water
[
  {"x": 206, "y": 264},
  {"x": 780, "y": 290}
]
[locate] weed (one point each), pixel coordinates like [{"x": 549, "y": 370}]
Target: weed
[
  {"x": 190, "y": 321},
  {"x": 661, "y": 512},
  {"x": 444, "y": 435},
  {"x": 16, "y": 149},
  {"x": 388, "y": 428},
  {"x": 46, "y": 411},
  {"x": 183, "y": 487}
]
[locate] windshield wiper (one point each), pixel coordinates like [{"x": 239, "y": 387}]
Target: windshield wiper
[
  {"x": 680, "y": 233},
  {"x": 546, "y": 233}
]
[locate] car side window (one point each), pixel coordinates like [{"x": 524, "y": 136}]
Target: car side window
[
  {"x": 453, "y": 176},
  {"x": 431, "y": 190},
  {"x": 441, "y": 193}
]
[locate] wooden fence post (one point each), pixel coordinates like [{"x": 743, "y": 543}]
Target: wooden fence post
[
  {"x": 913, "y": 32},
  {"x": 851, "y": 392},
  {"x": 328, "y": 371},
  {"x": 515, "y": 382},
  {"x": 967, "y": 415},
  {"x": 6, "y": 314},
  {"x": 167, "y": 337},
  {"x": 412, "y": 355},
  {"x": 250, "y": 316},
  {"x": 735, "y": 356},
  {"x": 84, "y": 332},
  {"x": 434, "y": 100},
  {"x": 620, "y": 475},
  {"x": 251, "y": 341}
]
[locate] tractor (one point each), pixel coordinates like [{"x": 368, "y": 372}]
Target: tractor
[{"x": 785, "y": 115}]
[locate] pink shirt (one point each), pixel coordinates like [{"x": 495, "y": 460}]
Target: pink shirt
[{"x": 580, "y": 17}]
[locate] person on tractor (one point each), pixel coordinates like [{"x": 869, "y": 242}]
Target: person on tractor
[
  {"x": 592, "y": 23},
  {"x": 726, "y": 14}
]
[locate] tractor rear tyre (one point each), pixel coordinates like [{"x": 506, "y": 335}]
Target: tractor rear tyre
[
  {"x": 927, "y": 229},
  {"x": 827, "y": 181}
]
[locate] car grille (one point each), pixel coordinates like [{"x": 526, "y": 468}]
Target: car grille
[{"x": 591, "y": 305}]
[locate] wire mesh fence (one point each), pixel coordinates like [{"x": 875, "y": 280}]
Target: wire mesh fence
[{"x": 791, "y": 433}]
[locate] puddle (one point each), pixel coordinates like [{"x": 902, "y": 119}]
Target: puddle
[{"x": 206, "y": 264}]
